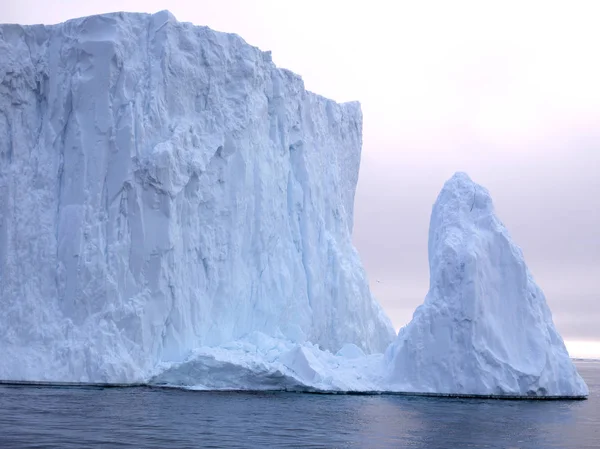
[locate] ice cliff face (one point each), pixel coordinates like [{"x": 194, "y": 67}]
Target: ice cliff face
[
  {"x": 164, "y": 187},
  {"x": 485, "y": 327}
]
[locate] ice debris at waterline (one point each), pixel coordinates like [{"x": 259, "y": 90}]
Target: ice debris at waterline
[
  {"x": 165, "y": 187},
  {"x": 174, "y": 209},
  {"x": 485, "y": 327}
]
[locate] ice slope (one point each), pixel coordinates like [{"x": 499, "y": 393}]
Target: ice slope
[
  {"x": 164, "y": 187},
  {"x": 484, "y": 327}
]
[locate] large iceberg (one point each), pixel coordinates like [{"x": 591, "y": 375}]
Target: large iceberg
[
  {"x": 485, "y": 327},
  {"x": 163, "y": 188},
  {"x": 176, "y": 210}
]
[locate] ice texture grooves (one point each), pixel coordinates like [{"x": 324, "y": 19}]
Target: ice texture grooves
[
  {"x": 164, "y": 187},
  {"x": 484, "y": 327}
]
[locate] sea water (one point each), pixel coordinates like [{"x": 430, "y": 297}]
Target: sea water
[{"x": 139, "y": 417}]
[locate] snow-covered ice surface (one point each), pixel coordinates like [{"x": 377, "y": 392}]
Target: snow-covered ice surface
[
  {"x": 260, "y": 362},
  {"x": 484, "y": 327},
  {"x": 176, "y": 210},
  {"x": 164, "y": 187}
]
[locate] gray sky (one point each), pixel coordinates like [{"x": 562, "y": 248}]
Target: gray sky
[{"x": 508, "y": 93}]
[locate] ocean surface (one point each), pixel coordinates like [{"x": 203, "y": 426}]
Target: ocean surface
[{"x": 55, "y": 417}]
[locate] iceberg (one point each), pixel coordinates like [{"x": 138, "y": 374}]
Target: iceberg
[
  {"x": 176, "y": 210},
  {"x": 484, "y": 327},
  {"x": 163, "y": 188}
]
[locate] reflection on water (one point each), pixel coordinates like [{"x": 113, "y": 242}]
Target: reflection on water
[{"x": 143, "y": 417}]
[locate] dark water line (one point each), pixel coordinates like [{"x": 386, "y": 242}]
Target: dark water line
[{"x": 306, "y": 390}]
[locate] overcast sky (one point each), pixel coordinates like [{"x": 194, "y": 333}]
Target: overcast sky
[{"x": 509, "y": 94}]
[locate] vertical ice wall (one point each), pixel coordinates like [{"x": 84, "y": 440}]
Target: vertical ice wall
[{"x": 165, "y": 186}]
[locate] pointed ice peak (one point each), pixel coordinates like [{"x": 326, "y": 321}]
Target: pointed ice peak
[
  {"x": 461, "y": 197},
  {"x": 484, "y": 327}
]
